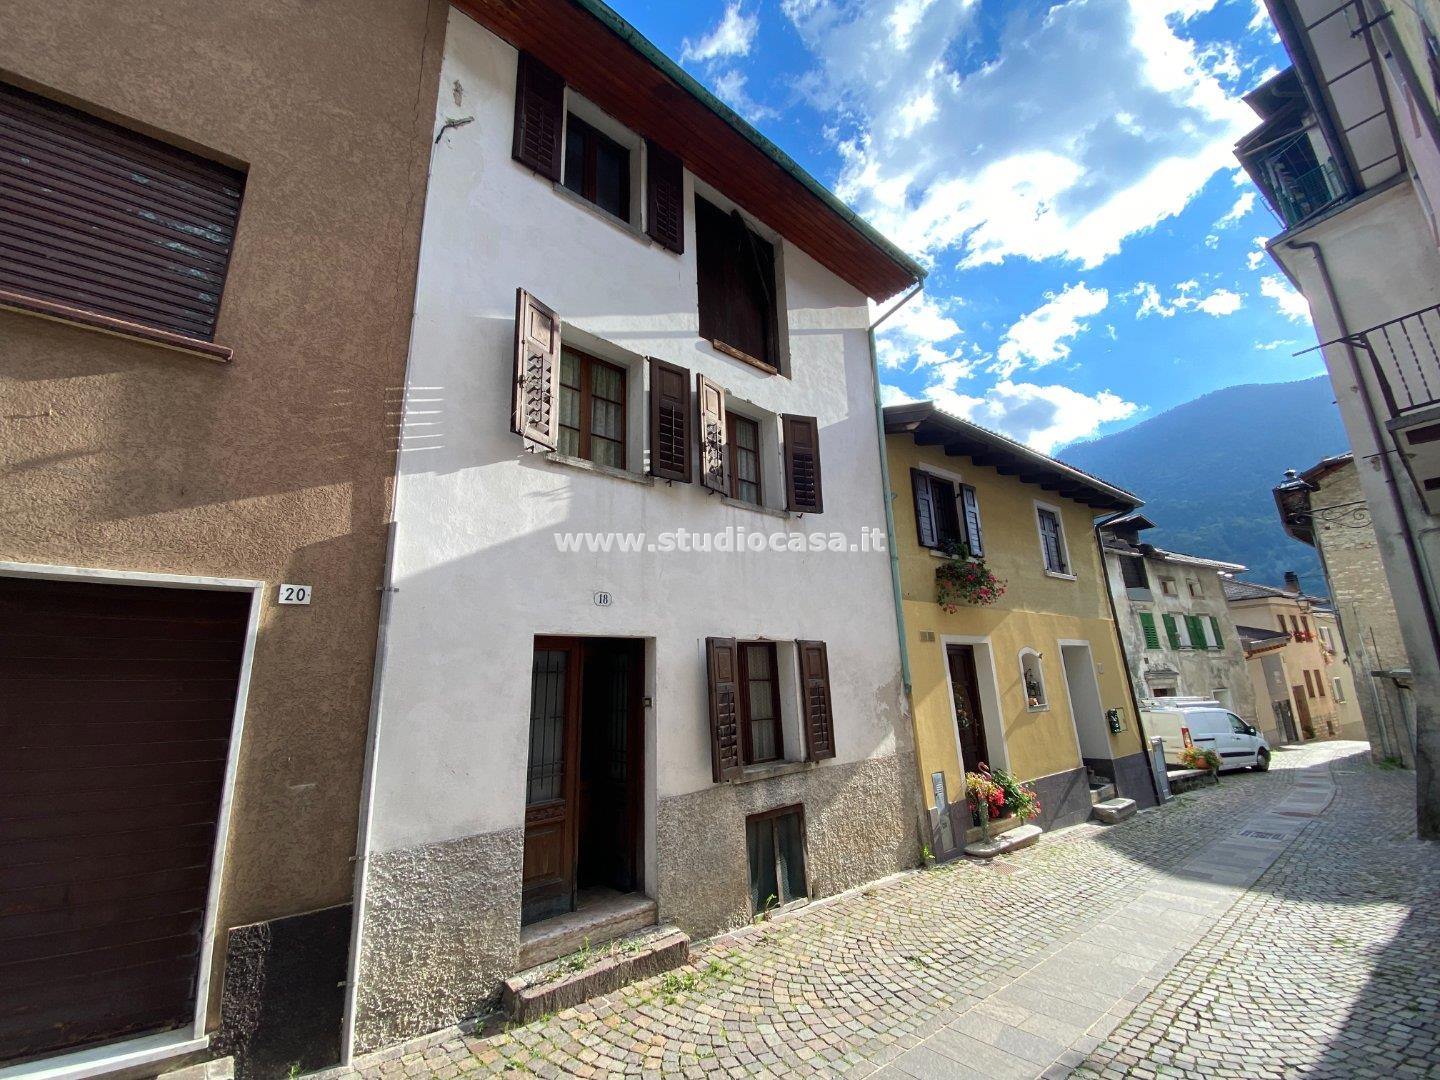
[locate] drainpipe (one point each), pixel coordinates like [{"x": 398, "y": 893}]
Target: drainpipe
[
  {"x": 897, "y": 596},
  {"x": 1125, "y": 659}
]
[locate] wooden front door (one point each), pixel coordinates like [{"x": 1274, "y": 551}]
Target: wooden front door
[
  {"x": 1302, "y": 707},
  {"x": 969, "y": 719},
  {"x": 116, "y": 708},
  {"x": 551, "y": 780}
]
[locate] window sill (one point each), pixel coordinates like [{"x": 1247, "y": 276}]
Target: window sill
[
  {"x": 107, "y": 324},
  {"x": 603, "y": 470},
  {"x": 770, "y": 770},
  {"x": 1037, "y": 708},
  {"x": 741, "y": 504},
  {"x": 604, "y": 215},
  {"x": 1059, "y": 576},
  {"x": 935, "y": 553},
  {"x": 744, "y": 357}
]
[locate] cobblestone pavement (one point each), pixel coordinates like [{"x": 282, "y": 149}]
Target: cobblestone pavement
[{"x": 1280, "y": 924}]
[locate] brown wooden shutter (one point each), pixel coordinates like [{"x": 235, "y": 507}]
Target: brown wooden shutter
[
  {"x": 815, "y": 684},
  {"x": 924, "y": 509},
  {"x": 714, "y": 454},
  {"x": 539, "y": 117},
  {"x": 669, "y": 421},
  {"x": 723, "y": 668},
  {"x": 535, "y": 412},
  {"x": 110, "y": 221},
  {"x": 664, "y": 197},
  {"x": 802, "y": 464},
  {"x": 970, "y": 511}
]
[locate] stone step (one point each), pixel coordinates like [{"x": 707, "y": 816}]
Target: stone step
[
  {"x": 1101, "y": 792},
  {"x": 570, "y": 980},
  {"x": 600, "y": 916},
  {"x": 1013, "y": 840},
  {"x": 1112, "y": 811}
]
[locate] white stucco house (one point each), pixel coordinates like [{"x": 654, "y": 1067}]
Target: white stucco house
[
  {"x": 1347, "y": 155},
  {"x": 640, "y": 659}
]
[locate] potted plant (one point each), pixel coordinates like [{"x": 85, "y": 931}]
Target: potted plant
[
  {"x": 1192, "y": 757},
  {"x": 964, "y": 579},
  {"x": 995, "y": 795}
]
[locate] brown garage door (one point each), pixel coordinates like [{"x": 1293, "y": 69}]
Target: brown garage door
[{"x": 116, "y": 705}]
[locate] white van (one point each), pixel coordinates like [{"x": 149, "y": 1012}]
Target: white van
[{"x": 1209, "y": 726}]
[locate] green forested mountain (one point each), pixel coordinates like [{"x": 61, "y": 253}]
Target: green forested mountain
[{"x": 1205, "y": 470}]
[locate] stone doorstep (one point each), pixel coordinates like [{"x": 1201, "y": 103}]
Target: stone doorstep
[
  {"x": 598, "y": 919},
  {"x": 569, "y": 981},
  {"x": 1004, "y": 825},
  {"x": 1021, "y": 837},
  {"x": 1113, "y": 811},
  {"x": 1101, "y": 793}
]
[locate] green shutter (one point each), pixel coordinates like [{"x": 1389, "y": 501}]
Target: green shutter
[
  {"x": 1147, "y": 626},
  {"x": 1197, "y": 631},
  {"x": 1215, "y": 625},
  {"x": 1171, "y": 631}
]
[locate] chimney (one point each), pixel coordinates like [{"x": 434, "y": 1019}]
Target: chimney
[{"x": 1292, "y": 582}]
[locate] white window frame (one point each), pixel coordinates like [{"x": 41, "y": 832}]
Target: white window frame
[
  {"x": 148, "y": 1050},
  {"x": 1068, "y": 575},
  {"x": 1338, "y": 689},
  {"x": 1207, "y": 627},
  {"x": 607, "y": 125}
]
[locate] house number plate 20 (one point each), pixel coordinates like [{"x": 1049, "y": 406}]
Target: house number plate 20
[{"x": 295, "y": 594}]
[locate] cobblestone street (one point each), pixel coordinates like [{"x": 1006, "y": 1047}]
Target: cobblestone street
[{"x": 1281, "y": 924}]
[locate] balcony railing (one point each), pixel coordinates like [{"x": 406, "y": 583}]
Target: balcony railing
[
  {"x": 1405, "y": 354},
  {"x": 1307, "y": 194}
]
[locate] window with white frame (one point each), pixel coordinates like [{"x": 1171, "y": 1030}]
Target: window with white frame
[
  {"x": 1032, "y": 679},
  {"x": 1052, "y": 540},
  {"x": 1339, "y": 688}
]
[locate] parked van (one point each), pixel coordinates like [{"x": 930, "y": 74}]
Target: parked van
[{"x": 1209, "y": 726}]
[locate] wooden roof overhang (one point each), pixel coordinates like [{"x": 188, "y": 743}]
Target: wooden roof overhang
[
  {"x": 929, "y": 425},
  {"x": 609, "y": 62}
]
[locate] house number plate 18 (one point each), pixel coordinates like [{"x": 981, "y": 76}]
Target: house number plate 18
[
  {"x": 295, "y": 594},
  {"x": 603, "y": 599}
]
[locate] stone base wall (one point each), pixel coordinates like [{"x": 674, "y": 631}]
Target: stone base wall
[
  {"x": 1133, "y": 779},
  {"x": 860, "y": 824},
  {"x": 1064, "y": 799},
  {"x": 441, "y": 930}
]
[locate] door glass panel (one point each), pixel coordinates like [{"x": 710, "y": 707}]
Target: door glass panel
[{"x": 546, "y": 774}]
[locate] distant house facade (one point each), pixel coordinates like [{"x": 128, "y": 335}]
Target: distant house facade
[
  {"x": 1302, "y": 677},
  {"x": 1324, "y": 507},
  {"x": 1033, "y": 682},
  {"x": 640, "y": 346},
  {"x": 1179, "y": 637}
]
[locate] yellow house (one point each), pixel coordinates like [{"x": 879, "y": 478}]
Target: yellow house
[{"x": 1035, "y": 681}]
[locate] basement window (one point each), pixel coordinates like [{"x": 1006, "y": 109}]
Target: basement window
[{"x": 776, "y": 844}]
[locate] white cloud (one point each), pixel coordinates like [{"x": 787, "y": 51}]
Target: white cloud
[
  {"x": 893, "y": 395},
  {"x": 988, "y": 150},
  {"x": 1243, "y": 205},
  {"x": 1279, "y": 343},
  {"x": 1259, "y": 254},
  {"x": 1289, "y": 302},
  {"x": 732, "y": 36},
  {"x": 1043, "y": 417},
  {"x": 729, "y": 86},
  {"x": 915, "y": 336},
  {"x": 1040, "y": 336},
  {"x": 1220, "y": 302},
  {"x": 1187, "y": 298}
]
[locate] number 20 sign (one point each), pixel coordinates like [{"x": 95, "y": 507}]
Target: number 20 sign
[{"x": 294, "y": 594}]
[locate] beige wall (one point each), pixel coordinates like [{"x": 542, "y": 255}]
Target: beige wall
[
  {"x": 121, "y": 455},
  {"x": 1329, "y": 718},
  {"x": 1037, "y": 612}
]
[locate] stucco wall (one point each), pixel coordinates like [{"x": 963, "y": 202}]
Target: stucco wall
[
  {"x": 1037, "y": 611},
  {"x": 1200, "y": 671},
  {"x": 1326, "y": 715},
  {"x": 1383, "y": 264},
  {"x": 278, "y": 466},
  {"x": 479, "y": 574}
]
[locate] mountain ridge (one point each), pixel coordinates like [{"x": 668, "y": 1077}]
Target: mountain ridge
[{"x": 1205, "y": 469}]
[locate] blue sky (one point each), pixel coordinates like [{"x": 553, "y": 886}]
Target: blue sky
[{"x": 1063, "y": 168}]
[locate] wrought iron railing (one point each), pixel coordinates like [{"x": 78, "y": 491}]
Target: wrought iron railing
[
  {"x": 1307, "y": 194},
  {"x": 1405, "y": 355}
]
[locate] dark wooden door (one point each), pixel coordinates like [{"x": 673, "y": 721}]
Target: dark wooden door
[
  {"x": 551, "y": 780},
  {"x": 611, "y": 755},
  {"x": 1302, "y": 708},
  {"x": 1285, "y": 721},
  {"x": 116, "y": 709},
  {"x": 968, "y": 717}
]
